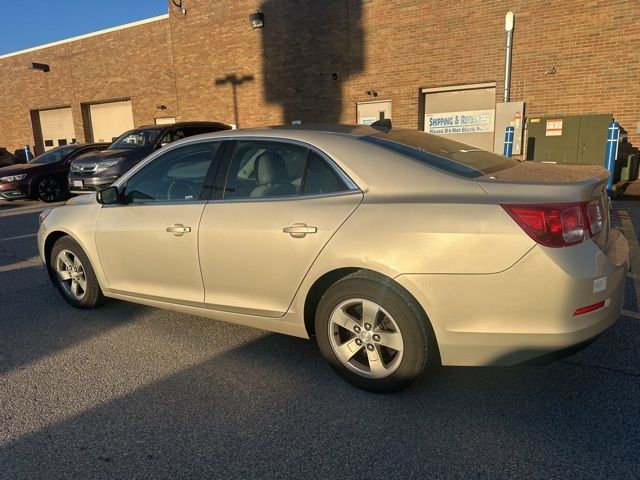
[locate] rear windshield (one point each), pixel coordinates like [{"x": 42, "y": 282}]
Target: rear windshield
[{"x": 449, "y": 155}]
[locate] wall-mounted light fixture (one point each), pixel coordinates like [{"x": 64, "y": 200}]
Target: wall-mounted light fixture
[
  {"x": 372, "y": 93},
  {"x": 257, "y": 20},
  {"x": 551, "y": 71},
  {"x": 161, "y": 107},
  {"x": 38, "y": 66}
]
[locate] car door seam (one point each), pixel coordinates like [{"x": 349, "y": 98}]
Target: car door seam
[{"x": 295, "y": 294}]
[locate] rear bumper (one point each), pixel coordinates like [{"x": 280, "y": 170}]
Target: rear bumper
[
  {"x": 527, "y": 311},
  {"x": 89, "y": 184}
]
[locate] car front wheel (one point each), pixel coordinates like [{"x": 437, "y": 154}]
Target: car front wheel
[
  {"x": 373, "y": 333},
  {"x": 73, "y": 274},
  {"x": 50, "y": 189}
]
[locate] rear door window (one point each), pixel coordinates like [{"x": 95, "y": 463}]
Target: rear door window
[
  {"x": 321, "y": 178},
  {"x": 266, "y": 169}
]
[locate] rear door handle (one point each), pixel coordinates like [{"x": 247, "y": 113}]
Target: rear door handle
[
  {"x": 299, "y": 230},
  {"x": 178, "y": 229}
]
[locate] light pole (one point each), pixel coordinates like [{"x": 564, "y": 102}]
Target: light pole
[{"x": 508, "y": 26}]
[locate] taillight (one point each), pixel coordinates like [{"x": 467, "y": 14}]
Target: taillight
[
  {"x": 595, "y": 218},
  {"x": 558, "y": 225}
]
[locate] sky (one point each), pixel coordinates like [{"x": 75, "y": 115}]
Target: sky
[{"x": 29, "y": 23}]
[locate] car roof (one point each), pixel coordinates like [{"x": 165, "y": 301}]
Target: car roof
[
  {"x": 94, "y": 144},
  {"x": 77, "y": 146},
  {"x": 199, "y": 123},
  {"x": 317, "y": 134},
  {"x": 341, "y": 128}
]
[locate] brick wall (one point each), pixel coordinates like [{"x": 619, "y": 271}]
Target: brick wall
[
  {"x": 210, "y": 64},
  {"x": 130, "y": 63}
]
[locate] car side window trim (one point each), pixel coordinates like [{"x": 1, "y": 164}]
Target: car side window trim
[
  {"x": 305, "y": 173},
  {"x": 292, "y": 198},
  {"x": 351, "y": 185},
  {"x": 211, "y": 183},
  {"x": 225, "y": 169}
]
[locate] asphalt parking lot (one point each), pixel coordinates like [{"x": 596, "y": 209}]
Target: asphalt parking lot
[{"x": 128, "y": 391}]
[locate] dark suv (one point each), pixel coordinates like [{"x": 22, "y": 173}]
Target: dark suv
[
  {"x": 98, "y": 171},
  {"x": 45, "y": 176}
]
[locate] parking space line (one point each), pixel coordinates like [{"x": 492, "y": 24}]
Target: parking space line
[
  {"x": 21, "y": 263},
  {"x": 18, "y": 237}
]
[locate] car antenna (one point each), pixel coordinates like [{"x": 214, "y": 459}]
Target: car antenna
[{"x": 383, "y": 125}]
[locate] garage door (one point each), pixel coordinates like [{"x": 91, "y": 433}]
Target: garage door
[
  {"x": 57, "y": 127},
  {"x": 110, "y": 120},
  {"x": 464, "y": 113}
]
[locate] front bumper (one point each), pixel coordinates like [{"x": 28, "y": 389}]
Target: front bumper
[
  {"x": 527, "y": 311},
  {"x": 13, "y": 191},
  {"x": 83, "y": 184}
]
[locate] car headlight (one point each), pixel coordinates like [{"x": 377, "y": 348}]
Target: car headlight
[
  {"x": 109, "y": 163},
  {"x": 13, "y": 178}
]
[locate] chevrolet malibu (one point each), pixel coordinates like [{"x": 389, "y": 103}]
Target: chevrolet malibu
[{"x": 396, "y": 249}]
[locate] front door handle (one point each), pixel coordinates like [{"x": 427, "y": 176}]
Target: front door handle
[
  {"x": 178, "y": 229},
  {"x": 299, "y": 230}
]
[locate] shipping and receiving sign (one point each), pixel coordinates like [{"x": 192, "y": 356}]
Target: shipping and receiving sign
[
  {"x": 554, "y": 127},
  {"x": 474, "y": 121}
]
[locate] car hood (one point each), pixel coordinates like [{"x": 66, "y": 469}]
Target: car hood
[
  {"x": 103, "y": 155},
  {"x": 20, "y": 168}
]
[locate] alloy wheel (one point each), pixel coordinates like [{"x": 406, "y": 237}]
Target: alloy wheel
[
  {"x": 365, "y": 338},
  {"x": 49, "y": 190},
  {"x": 71, "y": 274}
]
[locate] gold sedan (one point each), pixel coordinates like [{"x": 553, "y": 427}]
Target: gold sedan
[{"x": 397, "y": 249}]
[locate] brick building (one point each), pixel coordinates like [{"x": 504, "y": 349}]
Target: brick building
[{"x": 328, "y": 61}]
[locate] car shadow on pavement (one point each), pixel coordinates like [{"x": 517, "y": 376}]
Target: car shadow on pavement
[
  {"x": 36, "y": 322},
  {"x": 273, "y": 408}
]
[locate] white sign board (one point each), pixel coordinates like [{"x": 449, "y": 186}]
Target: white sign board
[
  {"x": 447, "y": 123},
  {"x": 554, "y": 127}
]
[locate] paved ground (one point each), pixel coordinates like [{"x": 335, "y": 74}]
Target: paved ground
[{"x": 133, "y": 392}]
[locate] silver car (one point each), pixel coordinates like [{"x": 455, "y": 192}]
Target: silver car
[{"x": 396, "y": 249}]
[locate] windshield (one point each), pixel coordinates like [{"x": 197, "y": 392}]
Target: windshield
[
  {"x": 442, "y": 153},
  {"x": 136, "y": 138},
  {"x": 53, "y": 156}
]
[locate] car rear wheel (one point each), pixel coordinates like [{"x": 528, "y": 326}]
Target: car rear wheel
[
  {"x": 73, "y": 274},
  {"x": 373, "y": 333},
  {"x": 50, "y": 189}
]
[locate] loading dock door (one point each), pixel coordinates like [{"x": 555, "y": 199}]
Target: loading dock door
[
  {"x": 57, "y": 127},
  {"x": 110, "y": 120},
  {"x": 465, "y": 113}
]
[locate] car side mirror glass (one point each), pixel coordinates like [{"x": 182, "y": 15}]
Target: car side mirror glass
[{"x": 108, "y": 196}]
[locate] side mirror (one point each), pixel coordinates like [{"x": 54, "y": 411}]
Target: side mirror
[{"x": 108, "y": 196}]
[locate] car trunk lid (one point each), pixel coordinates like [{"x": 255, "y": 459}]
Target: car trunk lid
[{"x": 541, "y": 183}]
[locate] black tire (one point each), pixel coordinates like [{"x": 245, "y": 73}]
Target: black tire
[
  {"x": 92, "y": 296},
  {"x": 49, "y": 189},
  {"x": 419, "y": 344}
]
